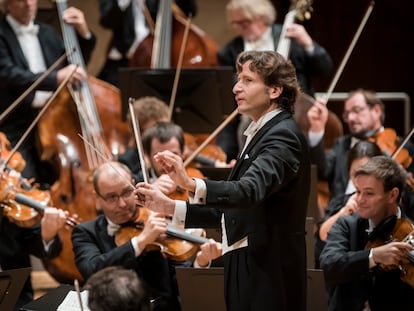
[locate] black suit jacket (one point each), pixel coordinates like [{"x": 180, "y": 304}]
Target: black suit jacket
[
  {"x": 345, "y": 262},
  {"x": 122, "y": 22},
  {"x": 16, "y": 246},
  {"x": 16, "y": 77},
  {"x": 308, "y": 67},
  {"x": 94, "y": 250},
  {"x": 265, "y": 199}
]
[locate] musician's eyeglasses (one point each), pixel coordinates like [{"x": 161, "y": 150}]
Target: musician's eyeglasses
[
  {"x": 355, "y": 110},
  {"x": 241, "y": 23},
  {"x": 114, "y": 198}
]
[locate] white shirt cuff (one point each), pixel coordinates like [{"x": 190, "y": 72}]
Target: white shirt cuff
[
  {"x": 199, "y": 197},
  {"x": 315, "y": 137},
  {"x": 310, "y": 49},
  {"x": 123, "y": 4},
  {"x": 180, "y": 212},
  {"x": 134, "y": 242},
  {"x": 196, "y": 265},
  {"x": 372, "y": 263}
]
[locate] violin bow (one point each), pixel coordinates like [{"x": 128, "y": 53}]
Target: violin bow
[
  {"x": 41, "y": 112},
  {"x": 349, "y": 51},
  {"x": 137, "y": 135},
  {"x": 109, "y": 160},
  {"x": 179, "y": 66},
  {"x": 210, "y": 137},
  {"x": 404, "y": 142},
  {"x": 34, "y": 85}
]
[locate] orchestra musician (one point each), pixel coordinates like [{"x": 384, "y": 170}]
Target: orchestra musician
[
  {"x": 262, "y": 207},
  {"x": 148, "y": 110},
  {"x": 94, "y": 241},
  {"x": 360, "y": 277},
  {"x": 364, "y": 113},
  {"x": 27, "y": 48},
  {"x": 255, "y": 28},
  {"x": 129, "y": 26},
  {"x": 19, "y": 238}
]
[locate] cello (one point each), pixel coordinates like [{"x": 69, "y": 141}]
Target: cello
[
  {"x": 79, "y": 109},
  {"x": 161, "y": 48}
]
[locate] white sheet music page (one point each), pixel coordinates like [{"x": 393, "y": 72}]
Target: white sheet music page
[{"x": 71, "y": 302}]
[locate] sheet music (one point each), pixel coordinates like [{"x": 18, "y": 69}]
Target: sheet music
[{"x": 71, "y": 302}]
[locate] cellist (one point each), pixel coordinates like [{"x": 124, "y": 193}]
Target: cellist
[
  {"x": 27, "y": 48},
  {"x": 129, "y": 25}
]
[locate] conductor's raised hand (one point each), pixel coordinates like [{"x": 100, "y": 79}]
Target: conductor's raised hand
[
  {"x": 152, "y": 198},
  {"x": 173, "y": 165}
]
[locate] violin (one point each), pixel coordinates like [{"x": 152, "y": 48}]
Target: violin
[
  {"x": 178, "y": 245},
  {"x": 16, "y": 161},
  {"x": 207, "y": 156},
  {"x": 24, "y": 206},
  {"x": 402, "y": 231},
  {"x": 389, "y": 143}
]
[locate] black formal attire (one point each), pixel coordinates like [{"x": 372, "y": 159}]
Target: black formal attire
[
  {"x": 265, "y": 200},
  {"x": 333, "y": 165},
  {"x": 16, "y": 246},
  {"x": 308, "y": 66},
  {"x": 346, "y": 267},
  {"x": 16, "y": 77},
  {"x": 94, "y": 250},
  {"x": 121, "y": 23}
]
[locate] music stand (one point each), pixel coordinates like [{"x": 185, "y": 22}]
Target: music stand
[
  {"x": 204, "y": 96},
  {"x": 11, "y": 285},
  {"x": 193, "y": 297}
]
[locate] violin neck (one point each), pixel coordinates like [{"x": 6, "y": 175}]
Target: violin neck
[
  {"x": 181, "y": 234},
  {"x": 25, "y": 200}
]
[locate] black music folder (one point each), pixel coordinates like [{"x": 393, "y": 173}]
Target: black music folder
[
  {"x": 201, "y": 289},
  {"x": 11, "y": 285}
]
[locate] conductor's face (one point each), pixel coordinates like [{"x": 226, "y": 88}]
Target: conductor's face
[
  {"x": 253, "y": 97},
  {"x": 23, "y": 11}
]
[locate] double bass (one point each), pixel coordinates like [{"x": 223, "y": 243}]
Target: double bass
[
  {"x": 162, "y": 47},
  {"x": 92, "y": 108}
]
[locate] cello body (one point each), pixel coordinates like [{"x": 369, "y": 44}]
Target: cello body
[
  {"x": 60, "y": 144},
  {"x": 199, "y": 51}
]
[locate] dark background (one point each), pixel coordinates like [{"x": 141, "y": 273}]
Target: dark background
[{"x": 382, "y": 58}]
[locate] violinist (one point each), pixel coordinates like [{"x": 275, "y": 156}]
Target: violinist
[
  {"x": 27, "y": 49},
  {"x": 160, "y": 137},
  {"x": 94, "y": 242},
  {"x": 129, "y": 25},
  {"x": 148, "y": 110},
  {"x": 364, "y": 114},
  {"x": 354, "y": 273},
  {"x": 254, "y": 25},
  {"x": 17, "y": 243}
]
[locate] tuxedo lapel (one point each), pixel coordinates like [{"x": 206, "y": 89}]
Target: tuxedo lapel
[
  {"x": 11, "y": 37},
  {"x": 245, "y": 156}
]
